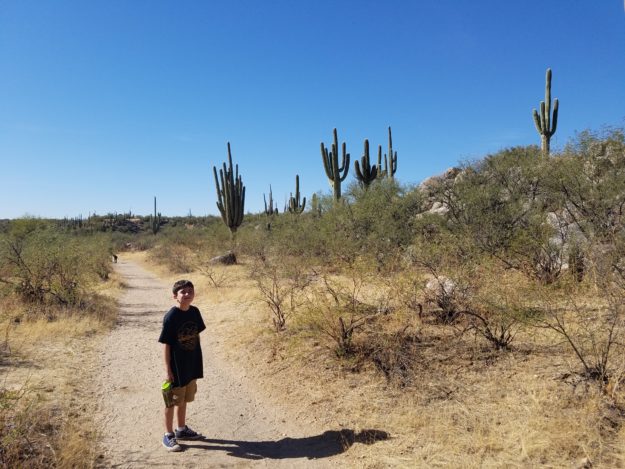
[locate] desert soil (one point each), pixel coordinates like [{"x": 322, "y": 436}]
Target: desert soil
[{"x": 241, "y": 427}]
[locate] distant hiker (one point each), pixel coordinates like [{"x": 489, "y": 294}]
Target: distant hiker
[
  {"x": 182, "y": 355},
  {"x": 114, "y": 258}
]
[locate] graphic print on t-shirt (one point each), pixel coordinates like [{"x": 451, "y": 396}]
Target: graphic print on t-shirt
[{"x": 188, "y": 335}]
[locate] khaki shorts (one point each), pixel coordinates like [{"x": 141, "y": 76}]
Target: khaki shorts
[{"x": 185, "y": 393}]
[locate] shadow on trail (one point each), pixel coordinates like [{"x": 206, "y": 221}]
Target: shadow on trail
[{"x": 329, "y": 443}]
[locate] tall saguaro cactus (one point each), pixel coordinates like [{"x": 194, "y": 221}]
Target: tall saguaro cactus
[
  {"x": 546, "y": 123},
  {"x": 390, "y": 160},
  {"x": 336, "y": 173},
  {"x": 230, "y": 194},
  {"x": 295, "y": 205},
  {"x": 270, "y": 209},
  {"x": 156, "y": 219},
  {"x": 368, "y": 173}
]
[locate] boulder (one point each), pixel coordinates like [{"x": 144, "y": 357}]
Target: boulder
[{"x": 226, "y": 259}]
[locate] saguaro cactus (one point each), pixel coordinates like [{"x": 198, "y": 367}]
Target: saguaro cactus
[
  {"x": 294, "y": 202},
  {"x": 389, "y": 170},
  {"x": 368, "y": 173},
  {"x": 230, "y": 194},
  {"x": 156, "y": 219},
  {"x": 546, "y": 123},
  {"x": 336, "y": 173},
  {"x": 270, "y": 209},
  {"x": 315, "y": 205}
]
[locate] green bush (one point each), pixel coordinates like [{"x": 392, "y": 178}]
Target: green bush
[{"x": 43, "y": 265}]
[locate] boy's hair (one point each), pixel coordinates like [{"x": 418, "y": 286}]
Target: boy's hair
[{"x": 180, "y": 284}]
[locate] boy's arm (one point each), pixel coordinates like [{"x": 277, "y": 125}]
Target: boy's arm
[{"x": 167, "y": 359}]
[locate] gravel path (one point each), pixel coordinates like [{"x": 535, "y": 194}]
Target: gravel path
[{"x": 240, "y": 429}]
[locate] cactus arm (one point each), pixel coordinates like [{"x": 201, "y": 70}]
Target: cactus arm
[
  {"x": 554, "y": 122},
  {"x": 327, "y": 162},
  {"x": 381, "y": 172},
  {"x": 544, "y": 112},
  {"x": 344, "y": 168},
  {"x": 219, "y": 198},
  {"x": 537, "y": 122},
  {"x": 392, "y": 157},
  {"x": 359, "y": 174}
]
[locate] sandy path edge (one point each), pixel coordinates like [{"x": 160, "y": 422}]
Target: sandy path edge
[{"x": 241, "y": 429}]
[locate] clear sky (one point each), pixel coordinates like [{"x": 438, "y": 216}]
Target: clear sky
[{"x": 105, "y": 104}]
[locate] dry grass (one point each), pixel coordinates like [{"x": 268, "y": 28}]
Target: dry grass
[{"x": 44, "y": 362}]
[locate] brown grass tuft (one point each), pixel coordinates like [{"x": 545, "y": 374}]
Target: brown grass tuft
[{"x": 44, "y": 415}]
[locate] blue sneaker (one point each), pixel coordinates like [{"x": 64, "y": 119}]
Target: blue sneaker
[
  {"x": 170, "y": 443},
  {"x": 187, "y": 434}
]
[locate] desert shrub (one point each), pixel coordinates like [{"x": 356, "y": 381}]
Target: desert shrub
[
  {"x": 42, "y": 265},
  {"x": 464, "y": 288},
  {"x": 504, "y": 205},
  {"x": 178, "y": 259},
  {"x": 305, "y": 236},
  {"x": 393, "y": 350},
  {"x": 254, "y": 239},
  {"x": 589, "y": 177},
  {"x": 591, "y": 321},
  {"x": 22, "y": 429},
  {"x": 183, "y": 247},
  {"x": 216, "y": 275},
  {"x": 282, "y": 285},
  {"x": 336, "y": 308},
  {"x": 382, "y": 219}
]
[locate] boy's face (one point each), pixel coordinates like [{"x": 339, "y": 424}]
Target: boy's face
[{"x": 184, "y": 297}]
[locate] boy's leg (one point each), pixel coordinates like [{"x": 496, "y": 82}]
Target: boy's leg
[
  {"x": 169, "y": 439},
  {"x": 184, "y": 395},
  {"x": 181, "y": 415},
  {"x": 169, "y": 419}
]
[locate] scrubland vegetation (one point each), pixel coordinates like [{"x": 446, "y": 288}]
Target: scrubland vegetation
[
  {"x": 55, "y": 290},
  {"x": 515, "y": 258},
  {"x": 485, "y": 306}
]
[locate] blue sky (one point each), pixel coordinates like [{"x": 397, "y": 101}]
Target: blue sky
[{"x": 105, "y": 104}]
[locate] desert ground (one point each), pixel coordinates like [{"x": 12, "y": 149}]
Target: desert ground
[{"x": 241, "y": 424}]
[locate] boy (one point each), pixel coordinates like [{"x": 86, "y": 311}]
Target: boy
[{"x": 183, "y": 361}]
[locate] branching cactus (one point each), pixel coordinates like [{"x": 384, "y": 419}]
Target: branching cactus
[
  {"x": 336, "y": 173},
  {"x": 367, "y": 173},
  {"x": 294, "y": 201},
  {"x": 270, "y": 209},
  {"x": 230, "y": 194},
  {"x": 546, "y": 123},
  {"x": 315, "y": 205},
  {"x": 389, "y": 169}
]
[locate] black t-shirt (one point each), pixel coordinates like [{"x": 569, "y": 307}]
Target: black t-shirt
[{"x": 181, "y": 330}]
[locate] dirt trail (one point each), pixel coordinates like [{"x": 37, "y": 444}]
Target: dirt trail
[{"x": 241, "y": 429}]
